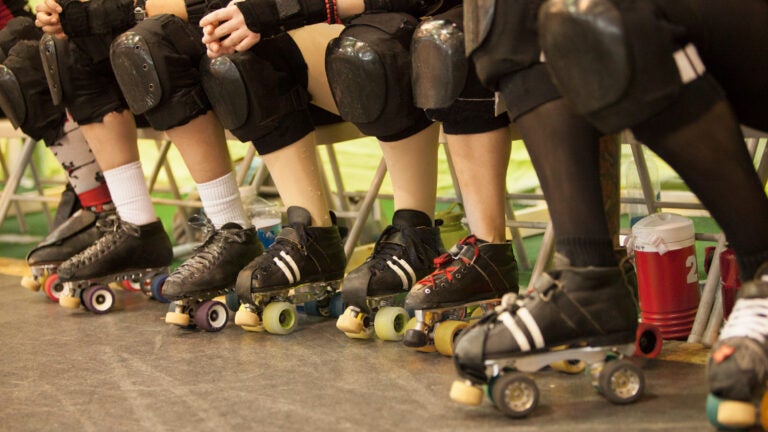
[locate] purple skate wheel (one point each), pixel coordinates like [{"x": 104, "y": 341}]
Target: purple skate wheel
[
  {"x": 212, "y": 316},
  {"x": 98, "y": 299}
]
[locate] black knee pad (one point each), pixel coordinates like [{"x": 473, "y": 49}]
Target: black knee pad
[
  {"x": 617, "y": 62},
  {"x": 260, "y": 92},
  {"x": 369, "y": 70},
  {"x": 24, "y": 95},
  {"x": 156, "y": 64}
]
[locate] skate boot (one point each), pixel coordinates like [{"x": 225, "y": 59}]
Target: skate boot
[
  {"x": 209, "y": 273},
  {"x": 305, "y": 265},
  {"x": 375, "y": 292},
  {"x": 469, "y": 280},
  {"x": 738, "y": 366},
  {"x": 130, "y": 253},
  {"x": 75, "y": 234},
  {"x": 586, "y": 314}
]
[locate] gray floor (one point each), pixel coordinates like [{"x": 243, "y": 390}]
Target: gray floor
[{"x": 128, "y": 370}]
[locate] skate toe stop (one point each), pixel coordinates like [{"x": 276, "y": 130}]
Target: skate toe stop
[
  {"x": 465, "y": 393},
  {"x": 69, "y": 302}
]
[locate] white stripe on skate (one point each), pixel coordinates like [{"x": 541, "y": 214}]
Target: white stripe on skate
[
  {"x": 518, "y": 334},
  {"x": 404, "y": 264},
  {"x": 400, "y": 273},
  {"x": 533, "y": 328},
  {"x": 292, "y": 263},
  {"x": 285, "y": 269}
]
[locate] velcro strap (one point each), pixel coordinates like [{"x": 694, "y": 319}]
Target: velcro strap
[
  {"x": 74, "y": 18},
  {"x": 272, "y": 17},
  {"x": 689, "y": 63}
]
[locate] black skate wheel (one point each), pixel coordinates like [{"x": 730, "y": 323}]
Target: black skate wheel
[
  {"x": 515, "y": 394},
  {"x": 621, "y": 382}
]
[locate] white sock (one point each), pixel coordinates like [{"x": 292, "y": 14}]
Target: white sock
[
  {"x": 221, "y": 201},
  {"x": 129, "y": 193}
]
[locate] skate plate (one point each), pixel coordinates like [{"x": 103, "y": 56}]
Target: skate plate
[
  {"x": 96, "y": 295},
  {"x": 516, "y": 394}
]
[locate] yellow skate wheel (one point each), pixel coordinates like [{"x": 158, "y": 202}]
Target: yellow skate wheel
[
  {"x": 735, "y": 414},
  {"x": 349, "y": 323},
  {"x": 248, "y": 320},
  {"x": 177, "y": 318},
  {"x": 445, "y": 335},
  {"x": 69, "y": 302},
  {"x": 30, "y": 283},
  {"x": 390, "y": 322},
  {"x": 764, "y": 411},
  {"x": 477, "y": 313},
  {"x": 280, "y": 318},
  {"x": 465, "y": 393},
  {"x": 569, "y": 366}
]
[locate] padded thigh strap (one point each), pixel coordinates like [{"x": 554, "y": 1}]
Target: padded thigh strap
[{"x": 49, "y": 47}]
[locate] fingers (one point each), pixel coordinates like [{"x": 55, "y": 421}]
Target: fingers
[{"x": 215, "y": 17}]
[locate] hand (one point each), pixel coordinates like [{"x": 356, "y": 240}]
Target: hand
[
  {"x": 225, "y": 32},
  {"x": 48, "y": 19}
]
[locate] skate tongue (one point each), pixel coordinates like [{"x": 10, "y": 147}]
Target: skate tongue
[
  {"x": 299, "y": 215},
  {"x": 411, "y": 218},
  {"x": 231, "y": 226}
]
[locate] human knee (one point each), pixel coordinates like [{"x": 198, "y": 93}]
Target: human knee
[
  {"x": 156, "y": 66},
  {"x": 617, "y": 62},
  {"x": 369, "y": 70}
]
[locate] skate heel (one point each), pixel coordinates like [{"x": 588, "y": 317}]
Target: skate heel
[{"x": 96, "y": 295}]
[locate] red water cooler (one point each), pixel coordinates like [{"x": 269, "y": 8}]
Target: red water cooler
[{"x": 667, "y": 274}]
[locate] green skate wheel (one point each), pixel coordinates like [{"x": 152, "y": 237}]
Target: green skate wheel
[
  {"x": 730, "y": 415},
  {"x": 514, "y": 394},
  {"x": 390, "y": 323},
  {"x": 280, "y": 318}
]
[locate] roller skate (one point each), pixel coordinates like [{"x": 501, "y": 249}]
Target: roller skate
[
  {"x": 375, "y": 292},
  {"x": 738, "y": 366},
  {"x": 585, "y": 314},
  {"x": 210, "y": 273},
  {"x": 130, "y": 255},
  {"x": 469, "y": 281},
  {"x": 304, "y": 265},
  {"x": 75, "y": 234}
]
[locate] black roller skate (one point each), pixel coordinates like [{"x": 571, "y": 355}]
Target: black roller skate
[
  {"x": 75, "y": 234},
  {"x": 305, "y": 265},
  {"x": 139, "y": 255},
  {"x": 196, "y": 287},
  {"x": 375, "y": 292},
  {"x": 738, "y": 366},
  {"x": 586, "y": 314},
  {"x": 469, "y": 280}
]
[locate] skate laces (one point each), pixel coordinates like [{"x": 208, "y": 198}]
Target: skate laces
[
  {"x": 444, "y": 264},
  {"x": 209, "y": 252},
  {"x": 386, "y": 250},
  {"x": 114, "y": 230},
  {"x": 749, "y": 318}
]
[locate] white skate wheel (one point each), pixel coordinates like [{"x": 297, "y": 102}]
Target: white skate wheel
[
  {"x": 349, "y": 324},
  {"x": 390, "y": 323},
  {"x": 30, "y": 283},
  {"x": 177, "y": 318},
  {"x": 465, "y": 393},
  {"x": 69, "y": 302}
]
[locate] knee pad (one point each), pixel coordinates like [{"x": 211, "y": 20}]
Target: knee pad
[
  {"x": 615, "y": 61},
  {"x": 252, "y": 92},
  {"x": 439, "y": 66},
  {"x": 157, "y": 67},
  {"x": 50, "y": 52},
  {"x": 368, "y": 68},
  {"x": 24, "y": 95}
]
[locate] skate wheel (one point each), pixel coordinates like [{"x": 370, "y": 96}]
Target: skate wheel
[
  {"x": 177, "y": 318},
  {"x": 476, "y": 313},
  {"x": 156, "y": 288},
  {"x": 348, "y": 322},
  {"x": 99, "y": 299},
  {"x": 445, "y": 336},
  {"x": 730, "y": 414},
  {"x": 336, "y": 306},
  {"x": 30, "y": 283},
  {"x": 515, "y": 394},
  {"x": 465, "y": 393},
  {"x": 569, "y": 366},
  {"x": 764, "y": 411},
  {"x": 389, "y": 323},
  {"x": 212, "y": 316},
  {"x": 248, "y": 320},
  {"x": 53, "y": 289},
  {"x": 131, "y": 285},
  {"x": 621, "y": 382},
  {"x": 280, "y": 318},
  {"x": 648, "y": 340},
  {"x": 232, "y": 301}
]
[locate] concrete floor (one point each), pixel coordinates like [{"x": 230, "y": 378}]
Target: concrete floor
[{"x": 129, "y": 371}]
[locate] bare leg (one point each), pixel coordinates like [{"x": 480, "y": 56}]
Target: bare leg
[
  {"x": 113, "y": 141},
  {"x": 203, "y": 146}
]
